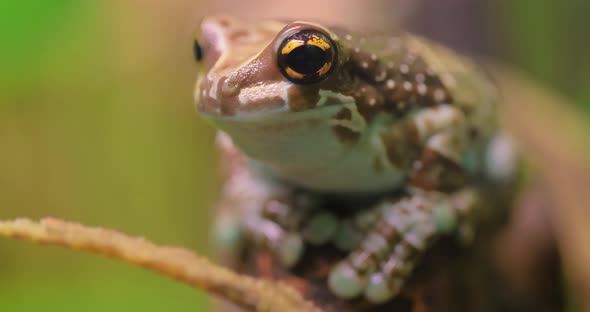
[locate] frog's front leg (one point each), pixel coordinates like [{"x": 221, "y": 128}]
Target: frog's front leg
[
  {"x": 268, "y": 213},
  {"x": 439, "y": 202},
  {"x": 379, "y": 267}
]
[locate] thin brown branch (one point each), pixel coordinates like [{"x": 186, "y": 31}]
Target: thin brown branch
[{"x": 178, "y": 263}]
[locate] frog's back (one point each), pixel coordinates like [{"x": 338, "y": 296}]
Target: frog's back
[
  {"x": 411, "y": 72},
  {"x": 413, "y": 78}
]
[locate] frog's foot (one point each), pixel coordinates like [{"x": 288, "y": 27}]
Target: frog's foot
[
  {"x": 284, "y": 226},
  {"x": 379, "y": 267}
]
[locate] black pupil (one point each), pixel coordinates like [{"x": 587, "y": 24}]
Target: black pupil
[
  {"x": 197, "y": 51},
  {"x": 307, "y": 59}
]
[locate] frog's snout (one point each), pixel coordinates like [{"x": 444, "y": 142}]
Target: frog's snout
[{"x": 213, "y": 38}]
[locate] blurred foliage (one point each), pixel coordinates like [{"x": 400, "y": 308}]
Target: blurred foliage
[
  {"x": 97, "y": 125},
  {"x": 548, "y": 39},
  {"x": 26, "y": 35}
]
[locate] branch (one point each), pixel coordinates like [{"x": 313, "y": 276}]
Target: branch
[{"x": 177, "y": 263}]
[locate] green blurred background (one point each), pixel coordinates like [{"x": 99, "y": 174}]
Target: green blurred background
[{"x": 97, "y": 125}]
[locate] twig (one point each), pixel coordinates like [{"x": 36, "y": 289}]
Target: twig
[{"x": 178, "y": 263}]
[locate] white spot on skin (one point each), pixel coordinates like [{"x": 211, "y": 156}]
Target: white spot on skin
[
  {"x": 390, "y": 84},
  {"x": 381, "y": 76},
  {"x": 372, "y": 101},
  {"x": 373, "y": 57},
  {"x": 422, "y": 89},
  {"x": 407, "y": 86},
  {"x": 365, "y": 65},
  {"x": 439, "y": 95},
  {"x": 433, "y": 120},
  {"x": 404, "y": 69},
  {"x": 356, "y": 50},
  {"x": 348, "y": 37},
  {"x": 501, "y": 158}
]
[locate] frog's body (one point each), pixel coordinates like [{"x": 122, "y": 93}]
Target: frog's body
[{"x": 329, "y": 111}]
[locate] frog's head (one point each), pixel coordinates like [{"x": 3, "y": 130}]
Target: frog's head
[
  {"x": 262, "y": 68},
  {"x": 274, "y": 87}
]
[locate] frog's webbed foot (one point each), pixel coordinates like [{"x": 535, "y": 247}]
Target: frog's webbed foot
[
  {"x": 380, "y": 265},
  {"x": 285, "y": 226},
  {"x": 280, "y": 220}
]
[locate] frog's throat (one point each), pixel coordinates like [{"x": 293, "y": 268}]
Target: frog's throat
[{"x": 304, "y": 147}]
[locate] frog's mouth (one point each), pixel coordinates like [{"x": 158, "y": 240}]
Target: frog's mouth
[
  {"x": 269, "y": 111},
  {"x": 278, "y": 120},
  {"x": 217, "y": 99}
]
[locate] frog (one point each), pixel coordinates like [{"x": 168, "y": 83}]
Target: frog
[{"x": 316, "y": 119}]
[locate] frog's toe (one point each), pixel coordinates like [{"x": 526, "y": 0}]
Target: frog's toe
[
  {"x": 351, "y": 231},
  {"x": 284, "y": 224},
  {"x": 287, "y": 246},
  {"x": 345, "y": 282},
  {"x": 348, "y": 237},
  {"x": 321, "y": 228},
  {"x": 378, "y": 267},
  {"x": 393, "y": 272},
  {"x": 381, "y": 288},
  {"x": 290, "y": 249},
  {"x": 377, "y": 284},
  {"x": 227, "y": 231}
]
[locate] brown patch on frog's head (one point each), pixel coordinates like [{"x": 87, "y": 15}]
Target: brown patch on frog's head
[{"x": 253, "y": 68}]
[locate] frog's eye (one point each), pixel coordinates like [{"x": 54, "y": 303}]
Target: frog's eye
[
  {"x": 306, "y": 56},
  {"x": 198, "y": 52}
]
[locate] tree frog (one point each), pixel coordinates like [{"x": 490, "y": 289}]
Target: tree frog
[{"x": 376, "y": 144}]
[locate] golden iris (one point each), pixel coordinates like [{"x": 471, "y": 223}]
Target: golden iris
[{"x": 306, "y": 56}]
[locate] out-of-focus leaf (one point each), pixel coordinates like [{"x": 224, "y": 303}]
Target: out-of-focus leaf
[
  {"x": 555, "y": 137},
  {"x": 27, "y": 28}
]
